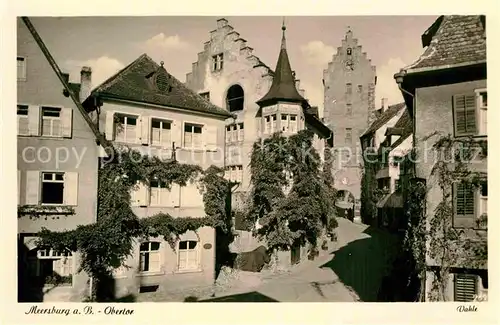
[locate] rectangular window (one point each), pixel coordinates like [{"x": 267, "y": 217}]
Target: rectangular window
[
  {"x": 284, "y": 123},
  {"x": 206, "y": 96},
  {"x": 482, "y": 98},
  {"x": 51, "y": 267},
  {"x": 228, "y": 133},
  {"x": 188, "y": 255},
  {"x": 126, "y": 128},
  {"x": 274, "y": 127},
  {"x": 241, "y": 132},
  {"x": 217, "y": 62},
  {"x": 149, "y": 257},
  {"x": 52, "y": 188},
  {"x": 21, "y": 68},
  {"x": 360, "y": 89},
  {"x": 464, "y": 109},
  {"x": 348, "y": 136},
  {"x": 192, "y": 136},
  {"x": 397, "y": 185},
  {"x": 267, "y": 129},
  {"x": 159, "y": 193},
  {"x": 483, "y": 198},
  {"x": 465, "y": 287},
  {"x": 22, "y": 120},
  {"x": 293, "y": 124},
  {"x": 348, "y": 88},
  {"x": 51, "y": 122},
  {"x": 348, "y": 109},
  {"x": 161, "y": 132}
]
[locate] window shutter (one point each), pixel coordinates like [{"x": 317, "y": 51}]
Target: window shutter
[
  {"x": 32, "y": 187},
  {"x": 464, "y": 205},
  {"x": 464, "y": 109},
  {"x": 71, "y": 188},
  {"x": 110, "y": 125},
  {"x": 142, "y": 195},
  {"x": 175, "y": 192},
  {"x": 210, "y": 136},
  {"x": 19, "y": 187},
  {"x": 465, "y": 287},
  {"x": 177, "y": 133},
  {"x": 34, "y": 120},
  {"x": 191, "y": 196},
  {"x": 145, "y": 128},
  {"x": 67, "y": 121}
]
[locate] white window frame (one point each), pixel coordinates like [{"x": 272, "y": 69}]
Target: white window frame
[
  {"x": 274, "y": 123},
  {"x": 267, "y": 125},
  {"x": 217, "y": 62},
  {"x": 51, "y": 120},
  {"x": 192, "y": 124},
  {"x": 162, "y": 190},
  {"x": 124, "y": 126},
  {"x": 189, "y": 254},
  {"x": 66, "y": 257},
  {"x": 241, "y": 131},
  {"x": 53, "y": 180},
  {"x": 284, "y": 123},
  {"x": 483, "y": 203},
  {"x": 482, "y": 112},
  {"x": 23, "y": 75},
  {"x": 149, "y": 251},
  {"x": 19, "y": 117},
  {"x": 162, "y": 121}
]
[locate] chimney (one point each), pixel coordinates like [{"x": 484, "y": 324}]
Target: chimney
[
  {"x": 384, "y": 105},
  {"x": 85, "y": 83}
]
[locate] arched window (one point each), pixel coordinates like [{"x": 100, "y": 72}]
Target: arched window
[{"x": 235, "y": 98}]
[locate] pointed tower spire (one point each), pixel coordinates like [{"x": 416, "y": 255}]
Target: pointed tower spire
[
  {"x": 283, "y": 39},
  {"x": 283, "y": 86}
]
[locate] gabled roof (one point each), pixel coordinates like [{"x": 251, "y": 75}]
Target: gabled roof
[
  {"x": 64, "y": 80},
  {"x": 453, "y": 40},
  {"x": 384, "y": 117},
  {"x": 405, "y": 124},
  {"x": 134, "y": 83},
  {"x": 283, "y": 87}
]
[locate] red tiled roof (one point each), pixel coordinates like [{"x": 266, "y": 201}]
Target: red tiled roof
[
  {"x": 132, "y": 83},
  {"x": 453, "y": 40}
]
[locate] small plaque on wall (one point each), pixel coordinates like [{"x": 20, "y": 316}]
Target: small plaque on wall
[{"x": 207, "y": 246}]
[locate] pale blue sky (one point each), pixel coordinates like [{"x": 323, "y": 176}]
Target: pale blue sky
[{"x": 109, "y": 43}]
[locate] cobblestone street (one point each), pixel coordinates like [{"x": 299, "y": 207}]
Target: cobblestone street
[{"x": 352, "y": 271}]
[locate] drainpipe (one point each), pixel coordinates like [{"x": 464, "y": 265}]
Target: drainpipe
[{"x": 399, "y": 80}]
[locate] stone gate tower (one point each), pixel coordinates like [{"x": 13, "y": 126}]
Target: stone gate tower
[{"x": 349, "y": 106}]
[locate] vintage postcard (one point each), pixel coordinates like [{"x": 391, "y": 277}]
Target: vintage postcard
[{"x": 165, "y": 159}]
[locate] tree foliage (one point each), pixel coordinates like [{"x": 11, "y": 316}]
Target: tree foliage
[
  {"x": 106, "y": 244},
  {"x": 432, "y": 236},
  {"x": 290, "y": 197}
]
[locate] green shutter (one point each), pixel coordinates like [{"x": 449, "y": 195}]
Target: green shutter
[
  {"x": 465, "y": 287},
  {"x": 464, "y": 110}
]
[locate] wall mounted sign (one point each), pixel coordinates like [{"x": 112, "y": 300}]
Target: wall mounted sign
[{"x": 207, "y": 246}]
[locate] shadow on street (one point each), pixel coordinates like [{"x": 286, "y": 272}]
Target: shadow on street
[
  {"x": 242, "y": 297},
  {"x": 363, "y": 263}
]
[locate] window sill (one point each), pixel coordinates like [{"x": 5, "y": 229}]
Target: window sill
[
  {"x": 198, "y": 270},
  {"x": 194, "y": 149},
  {"x": 45, "y": 209},
  {"x": 150, "y": 273},
  {"x": 474, "y": 136}
]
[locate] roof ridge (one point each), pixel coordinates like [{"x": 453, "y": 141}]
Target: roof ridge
[
  {"x": 48, "y": 56},
  {"x": 111, "y": 80}
]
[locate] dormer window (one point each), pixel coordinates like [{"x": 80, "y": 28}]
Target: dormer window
[
  {"x": 162, "y": 82},
  {"x": 349, "y": 51}
]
